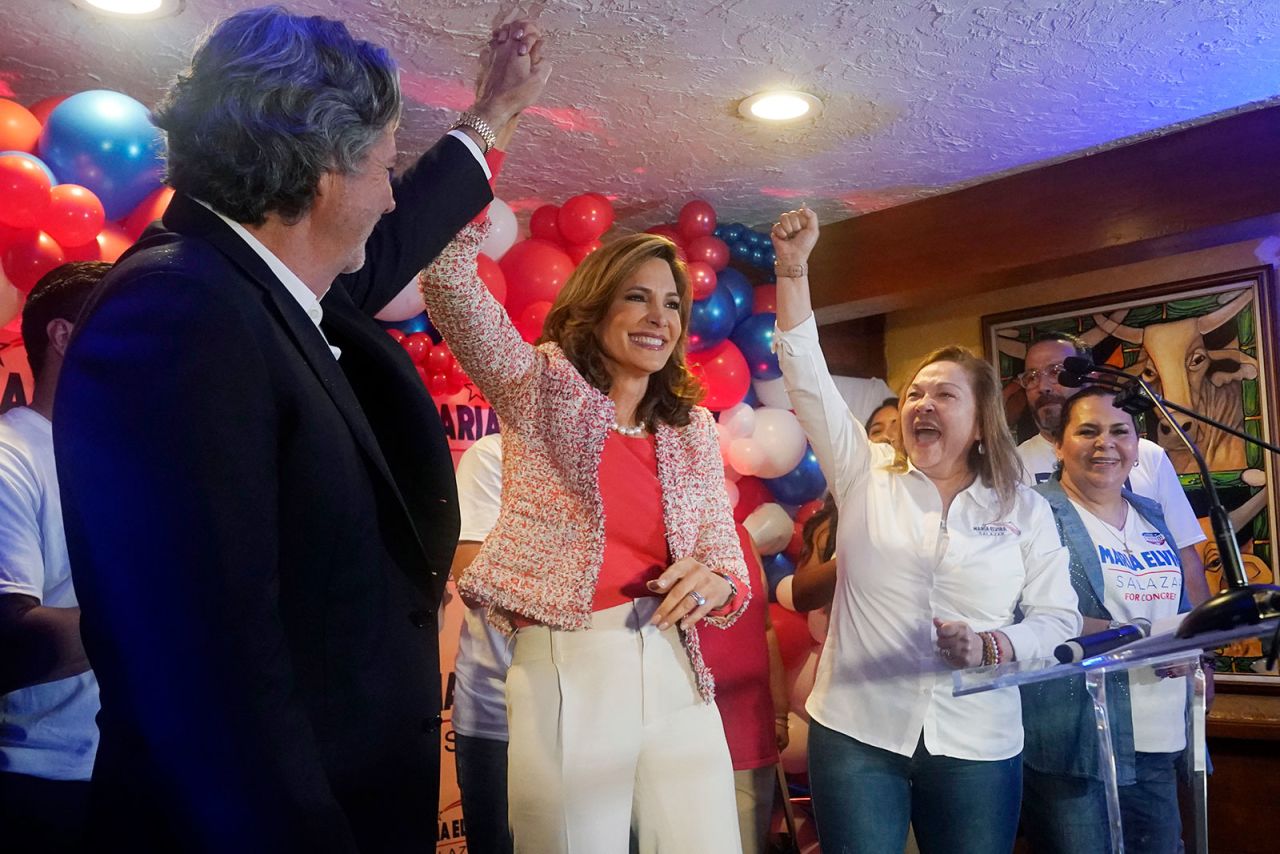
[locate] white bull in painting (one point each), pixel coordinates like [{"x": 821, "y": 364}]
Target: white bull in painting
[{"x": 1178, "y": 365}]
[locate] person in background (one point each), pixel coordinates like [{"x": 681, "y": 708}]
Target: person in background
[
  {"x": 946, "y": 562},
  {"x": 258, "y": 494},
  {"x": 882, "y": 425},
  {"x": 614, "y": 518},
  {"x": 1152, "y": 475},
  {"x": 1124, "y": 567},
  {"x": 484, "y": 655},
  {"x": 751, "y": 694},
  {"x": 48, "y": 694}
]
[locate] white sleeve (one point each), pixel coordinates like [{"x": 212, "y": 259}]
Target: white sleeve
[
  {"x": 480, "y": 488},
  {"x": 21, "y": 554},
  {"x": 839, "y": 441},
  {"x": 1050, "y": 607},
  {"x": 1178, "y": 514}
]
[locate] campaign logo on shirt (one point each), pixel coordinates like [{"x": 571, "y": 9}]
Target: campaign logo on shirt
[
  {"x": 1155, "y": 538},
  {"x": 996, "y": 529}
]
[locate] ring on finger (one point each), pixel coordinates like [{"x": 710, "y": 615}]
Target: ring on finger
[{"x": 698, "y": 597}]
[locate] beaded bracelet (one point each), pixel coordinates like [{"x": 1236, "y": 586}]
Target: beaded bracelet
[{"x": 990, "y": 648}]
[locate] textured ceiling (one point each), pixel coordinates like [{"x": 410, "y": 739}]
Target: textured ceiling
[{"x": 921, "y": 97}]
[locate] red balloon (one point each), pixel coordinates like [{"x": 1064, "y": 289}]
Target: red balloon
[
  {"x": 9, "y": 234},
  {"x": 19, "y": 130},
  {"x": 796, "y": 545},
  {"x": 764, "y": 299},
  {"x": 792, "y": 630},
  {"x": 544, "y": 224},
  {"x": 42, "y": 109},
  {"x": 417, "y": 345},
  {"x": 535, "y": 270},
  {"x": 751, "y": 494},
  {"x": 75, "y": 215},
  {"x": 108, "y": 246},
  {"x": 709, "y": 250},
  {"x": 25, "y": 187},
  {"x": 702, "y": 278},
  {"x": 668, "y": 231},
  {"x": 439, "y": 359},
  {"x": 578, "y": 252},
  {"x": 805, "y": 511},
  {"x": 532, "y": 320},
  {"x": 396, "y": 335},
  {"x": 584, "y": 218},
  {"x": 438, "y": 385},
  {"x": 457, "y": 377},
  {"x": 723, "y": 371},
  {"x": 491, "y": 275},
  {"x": 30, "y": 257},
  {"x": 696, "y": 219},
  {"x": 148, "y": 211}
]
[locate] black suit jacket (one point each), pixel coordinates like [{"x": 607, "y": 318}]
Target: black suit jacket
[{"x": 259, "y": 537}]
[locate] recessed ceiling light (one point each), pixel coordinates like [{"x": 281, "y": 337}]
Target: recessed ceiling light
[
  {"x": 137, "y": 9},
  {"x": 779, "y": 106}
]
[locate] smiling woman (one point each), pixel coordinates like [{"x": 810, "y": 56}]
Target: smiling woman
[
  {"x": 614, "y": 518},
  {"x": 938, "y": 547}
]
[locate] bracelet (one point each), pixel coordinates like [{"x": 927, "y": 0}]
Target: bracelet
[
  {"x": 480, "y": 126},
  {"x": 990, "y": 648},
  {"x": 733, "y": 589},
  {"x": 790, "y": 271}
]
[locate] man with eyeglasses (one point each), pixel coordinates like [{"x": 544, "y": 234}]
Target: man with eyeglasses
[{"x": 1153, "y": 477}]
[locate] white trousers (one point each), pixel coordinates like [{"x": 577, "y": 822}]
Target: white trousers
[{"x": 609, "y": 737}]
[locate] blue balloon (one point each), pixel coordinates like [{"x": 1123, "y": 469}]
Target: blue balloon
[
  {"x": 754, "y": 337},
  {"x": 740, "y": 250},
  {"x": 758, "y": 255},
  {"x": 776, "y": 567},
  {"x": 419, "y": 323},
  {"x": 755, "y": 238},
  {"x": 751, "y": 398},
  {"x": 733, "y": 232},
  {"x": 104, "y": 141},
  {"x": 711, "y": 320},
  {"x": 53, "y": 181},
  {"x": 803, "y": 483},
  {"x": 740, "y": 288}
]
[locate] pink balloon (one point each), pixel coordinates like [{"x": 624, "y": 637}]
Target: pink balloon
[
  {"x": 702, "y": 278},
  {"x": 723, "y": 372},
  {"x": 709, "y": 250},
  {"x": 764, "y": 299},
  {"x": 75, "y": 215},
  {"x": 697, "y": 219},
  {"x": 535, "y": 270},
  {"x": 584, "y": 218},
  {"x": 544, "y": 224}
]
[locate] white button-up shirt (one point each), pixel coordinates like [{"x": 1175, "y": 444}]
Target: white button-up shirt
[{"x": 900, "y": 564}]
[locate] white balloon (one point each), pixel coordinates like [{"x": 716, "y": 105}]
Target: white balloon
[
  {"x": 503, "y": 230},
  {"x": 404, "y": 305},
  {"x": 779, "y": 434},
  {"x": 732, "y": 489},
  {"x": 738, "y": 420},
  {"x": 745, "y": 455},
  {"x": 772, "y": 393},
  {"x": 770, "y": 528}
]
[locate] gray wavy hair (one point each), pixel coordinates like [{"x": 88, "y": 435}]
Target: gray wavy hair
[{"x": 271, "y": 102}]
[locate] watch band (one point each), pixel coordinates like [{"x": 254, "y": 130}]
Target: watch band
[{"x": 480, "y": 126}]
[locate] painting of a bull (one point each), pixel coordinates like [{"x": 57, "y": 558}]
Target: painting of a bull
[{"x": 1204, "y": 344}]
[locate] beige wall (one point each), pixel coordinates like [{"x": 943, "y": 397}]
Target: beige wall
[{"x": 912, "y": 333}]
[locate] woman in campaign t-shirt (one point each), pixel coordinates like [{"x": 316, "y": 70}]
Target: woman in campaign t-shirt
[{"x": 1124, "y": 567}]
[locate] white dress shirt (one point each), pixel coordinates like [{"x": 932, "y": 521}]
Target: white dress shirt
[
  {"x": 296, "y": 287},
  {"x": 900, "y": 564}
]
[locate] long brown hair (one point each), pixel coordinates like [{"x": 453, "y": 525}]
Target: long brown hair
[
  {"x": 583, "y": 303},
  {"x": 997, "y": 463}
]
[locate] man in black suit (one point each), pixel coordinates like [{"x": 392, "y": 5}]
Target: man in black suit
[{"x": 259, "y": 501}]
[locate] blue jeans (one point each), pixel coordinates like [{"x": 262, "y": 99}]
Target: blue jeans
[
  {"x": 1068, "y": 815},
  {"x": 482, "y": 779},
  {"x": 864, "y": 798}
]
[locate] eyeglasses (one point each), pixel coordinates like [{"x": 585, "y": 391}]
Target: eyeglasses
[{"x": 1027, "y": 379}]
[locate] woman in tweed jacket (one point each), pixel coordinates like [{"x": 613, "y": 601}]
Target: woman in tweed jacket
[{"x": 612, "y": 729}]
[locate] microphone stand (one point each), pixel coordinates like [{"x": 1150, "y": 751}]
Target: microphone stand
[{"x": 1242, "y": 603}]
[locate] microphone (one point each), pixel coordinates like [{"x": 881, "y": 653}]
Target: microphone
[
  {"x": 1087, "y": 646},
  {"x": 1082, "y": 365}
]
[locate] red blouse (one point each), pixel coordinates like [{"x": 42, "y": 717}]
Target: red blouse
[{"x": 635, "y": 537}]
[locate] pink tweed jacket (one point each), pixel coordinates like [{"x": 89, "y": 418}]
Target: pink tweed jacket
[{"x": 542, "y": 558}]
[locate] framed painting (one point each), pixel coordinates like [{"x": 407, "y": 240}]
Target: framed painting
[{"x": 1207, "y": 344}]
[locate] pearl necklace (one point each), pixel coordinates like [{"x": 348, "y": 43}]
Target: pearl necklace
[{"x": 630, "y": 432}]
